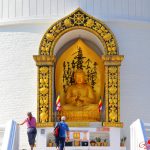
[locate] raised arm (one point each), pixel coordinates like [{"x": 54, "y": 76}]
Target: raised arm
[{"x": 23, "y": 122}]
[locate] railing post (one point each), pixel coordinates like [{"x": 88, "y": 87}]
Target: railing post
[
  {"x": 11, "y": 136},
  {"x": 137, "y": 135}
]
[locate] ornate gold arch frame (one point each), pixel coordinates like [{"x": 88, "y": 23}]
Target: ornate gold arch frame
[{"x": 46, "y": 59}]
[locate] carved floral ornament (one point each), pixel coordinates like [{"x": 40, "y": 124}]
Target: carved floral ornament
[
  {"x": 78, "y": 20},
  {"x": 45, "y": 60}
]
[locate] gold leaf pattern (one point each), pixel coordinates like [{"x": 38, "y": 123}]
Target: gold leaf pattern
[
  {"x": 112, "y": 93},
  {"x": 67, "y": 23},
  {"x": 43, "y": 94},
  {"x": 89, "y": 23},
  {"x": 43, "y": 70},
  {"x": 43, "y": 115},
  {"x": 50, "y": 37},
  {"x": 78, "y": 19}
]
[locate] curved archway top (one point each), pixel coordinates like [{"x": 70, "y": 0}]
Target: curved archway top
[{"x": 78, "y": 20}]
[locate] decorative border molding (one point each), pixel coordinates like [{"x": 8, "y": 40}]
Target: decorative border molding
[{"x": 78, "y": 20}]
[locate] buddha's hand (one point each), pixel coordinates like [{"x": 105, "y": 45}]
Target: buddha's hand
[
  {"x": 74, "y": 99},
  {"x": 79, "y": 103},
  {"x": 82, "y": 99}
]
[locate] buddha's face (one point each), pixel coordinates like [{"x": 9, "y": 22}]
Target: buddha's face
[{"x": 79, "y": 78}]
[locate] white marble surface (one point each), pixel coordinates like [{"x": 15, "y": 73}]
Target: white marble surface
[{"x": 114, "y": 133}]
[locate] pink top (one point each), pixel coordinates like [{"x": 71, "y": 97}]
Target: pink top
[{"x": 31, "y": 123}]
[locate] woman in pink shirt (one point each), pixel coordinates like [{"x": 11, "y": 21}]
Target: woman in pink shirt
[{"x": 31, "y": 129}]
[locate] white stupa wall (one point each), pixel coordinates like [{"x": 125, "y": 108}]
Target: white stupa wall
[
  {"x": 20, "y": 39},
  {"x": 11, "y": 10}
]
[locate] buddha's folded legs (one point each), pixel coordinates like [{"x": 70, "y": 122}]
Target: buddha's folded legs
[
  {"x": 69, "y": 107},
  {"x": 81, "y": 113},
  {"x": 91, "y": 107}
]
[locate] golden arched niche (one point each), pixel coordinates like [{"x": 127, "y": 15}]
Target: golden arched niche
[
  {"x": 45, "y": 62},
  {"x": 90, "y": 57}
]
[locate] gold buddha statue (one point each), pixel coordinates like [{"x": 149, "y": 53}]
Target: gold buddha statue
[{"x": 80, "y": 97}]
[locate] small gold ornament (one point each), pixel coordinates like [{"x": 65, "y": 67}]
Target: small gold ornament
[
  {"x": 107, "y": 37},
  {"x": 43, "y": 115},
  {"x": 43, "y": 90},
  {"x": 89, "y": 23},
  {"x": 67, "y": 23},
  {"x": 50, "y": 36},
  {"x": 79, "y": 18},
  {"x": 113, "y": 115},
  {"x": 112, "y": 90},
  {"x": 44, "y": 70}
]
